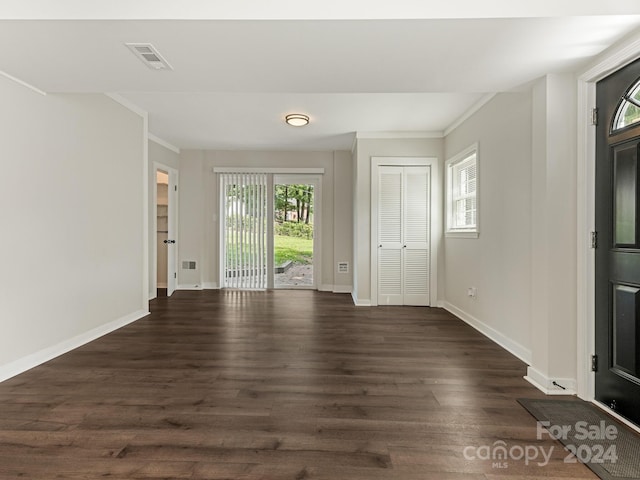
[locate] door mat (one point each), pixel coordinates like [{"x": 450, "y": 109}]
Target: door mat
[{"x": 609, "y": 448}]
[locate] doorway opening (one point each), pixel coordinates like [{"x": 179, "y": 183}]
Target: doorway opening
[
  {"x": 162, "y": 231},
  {"x": 166, "y": 222},
  {"x": 293, "y": 237}
]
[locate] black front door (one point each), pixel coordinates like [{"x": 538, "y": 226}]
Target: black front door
[{"x": 617, "y": 295}]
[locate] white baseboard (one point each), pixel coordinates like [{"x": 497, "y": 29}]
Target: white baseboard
[
  {"x": 335, "y": 288},
  {"x": 515, "y": 348},
  {"x": 38, "y": 358},
  {"x": 161, "y": 285},
  {"x": 190, "y": 287},
  {"x": 360, "y": 303},
  {"x": 545, "y": 384},
  {"x": 204, "y": 286}
]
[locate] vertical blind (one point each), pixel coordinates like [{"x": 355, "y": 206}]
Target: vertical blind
[{"x": 244, "y": 238}]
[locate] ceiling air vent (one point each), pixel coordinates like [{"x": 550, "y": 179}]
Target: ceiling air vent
[{"x": 149, "y": 56}]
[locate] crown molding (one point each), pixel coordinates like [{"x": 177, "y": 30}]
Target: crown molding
[
  {"x": 398, "y": 134},
  {"x": 163, "y": 143},
  {"x": 23, "y": 83},
  {"x": 612, "y": 59},
  {"x": 116, "y": 97}
]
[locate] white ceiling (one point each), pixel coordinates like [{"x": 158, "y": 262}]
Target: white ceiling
[{"x": 235, "y": 79}]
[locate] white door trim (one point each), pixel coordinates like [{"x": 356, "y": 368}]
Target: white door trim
[
  {"x": 435, "y": 219},
  {"x": 153, "y": 239},
  {"x": 172, "y": 222},
  {"x": 615, "y": 59}
]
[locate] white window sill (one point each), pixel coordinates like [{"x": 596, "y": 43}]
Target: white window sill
[{"x": 462, "y": 234}]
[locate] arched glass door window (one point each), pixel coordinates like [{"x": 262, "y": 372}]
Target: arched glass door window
[{"x": 628, "y": 110}]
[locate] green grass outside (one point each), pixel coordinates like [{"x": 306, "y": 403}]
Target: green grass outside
[{"x": 299, "y": 250}]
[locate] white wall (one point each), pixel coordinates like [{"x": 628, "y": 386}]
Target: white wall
[
  {"x": 367, "y": 148},
  {"x": 193, "y": 223},
  {"x": 524, "y": 262},
  {"x": 73, "y": 222},
  {"x": 554, "y": 221},
  {"x": 343, "y": 220},
  {"x": 199, "y": 215},
  {"x": 498, "y": 262}
]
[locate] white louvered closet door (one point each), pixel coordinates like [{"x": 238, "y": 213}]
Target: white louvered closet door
[
  {"x": 403, "y": 235},
  {"x": 416, "y": 236},
  {"x": 390, "y": 235}
]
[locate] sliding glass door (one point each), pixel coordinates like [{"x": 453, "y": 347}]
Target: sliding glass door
[{"x": 268, "y": 230}]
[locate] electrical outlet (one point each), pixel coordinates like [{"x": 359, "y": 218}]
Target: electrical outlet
[{"x": 472, "y": 292}]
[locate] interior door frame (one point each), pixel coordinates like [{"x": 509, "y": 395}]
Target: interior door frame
[
  {"x": 435, "y": 219},
  {"x": 172, "y": 223},
  {"x": 625, "y": 53}
]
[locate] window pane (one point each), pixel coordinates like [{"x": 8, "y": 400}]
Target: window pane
[
  {"x": 635, "y": 92},
  {"x": 470, "y": 212},
  {"x": 468, "y": 179},
  {"x": 627, "y": 113},
  {"x": 462, "y": 193},
  {"x": 465, "y": 215},
  {"x": 625, "y": 171},
  {"x": 465, "y": 177},
  {"x": 625, "y": 329},
  {"x": 459, "y": 216}
]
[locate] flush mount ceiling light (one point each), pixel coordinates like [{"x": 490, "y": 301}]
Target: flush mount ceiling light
[{"x": 297, "y": 119}]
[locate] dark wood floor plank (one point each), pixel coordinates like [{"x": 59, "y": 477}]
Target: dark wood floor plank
[{"x": 274, "y": 385}]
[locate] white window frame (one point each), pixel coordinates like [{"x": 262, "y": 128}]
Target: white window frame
[{"x": 462, "y": 157}]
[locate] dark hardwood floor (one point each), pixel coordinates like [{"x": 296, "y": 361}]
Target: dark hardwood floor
[{"x": 275, "y": 385}]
